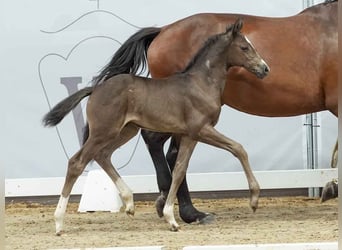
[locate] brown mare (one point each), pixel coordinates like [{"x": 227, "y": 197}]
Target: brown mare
[
  {"x": 187, "y": 104},
  {"x": 301, "y": 51}
]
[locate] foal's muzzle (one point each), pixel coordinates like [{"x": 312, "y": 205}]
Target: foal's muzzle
[{"x": 262, "y": 70}]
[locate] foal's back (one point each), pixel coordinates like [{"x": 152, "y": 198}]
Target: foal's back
[{"x": 174, "y": 104}]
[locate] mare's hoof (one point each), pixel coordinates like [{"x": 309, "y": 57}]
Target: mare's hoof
[
  {"x": 330, "y": 191},
  {"x": 189, "y": 214},
  {"x": 207, "y": 219},
  {"x": 160, "y": 203}
]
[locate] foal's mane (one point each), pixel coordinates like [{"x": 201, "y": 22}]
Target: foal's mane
[{"x": 208, "y": 44}]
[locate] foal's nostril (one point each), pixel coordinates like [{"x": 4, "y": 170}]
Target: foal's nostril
[{"x": 266, "y": 69}]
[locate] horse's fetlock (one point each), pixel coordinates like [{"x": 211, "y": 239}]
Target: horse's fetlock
[{"x": 160, "y": 203}]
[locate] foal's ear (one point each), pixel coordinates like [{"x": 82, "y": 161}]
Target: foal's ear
[{"x": 237, "y": 26}]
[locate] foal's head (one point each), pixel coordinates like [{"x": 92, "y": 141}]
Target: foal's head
[{"x": 242, "y": 53}]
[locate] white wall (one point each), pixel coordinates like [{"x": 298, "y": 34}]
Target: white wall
[{"x": 44, "y": 41}]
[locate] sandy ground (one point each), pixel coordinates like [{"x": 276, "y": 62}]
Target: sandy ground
[{"x": 286, "y": 220}]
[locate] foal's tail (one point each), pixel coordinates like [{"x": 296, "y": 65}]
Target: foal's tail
[
  {"x": 58, "y": 112},
  {"x": 130, "y": 58}
]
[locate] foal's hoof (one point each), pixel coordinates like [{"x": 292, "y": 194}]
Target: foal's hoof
[
  {"x": 254, "y": 201},
  {"x": 254, "y": 207},
  {"x": 330, "y": 191},
  {"x": 130, "y": 213},
  {"x": 174, "y": 228},
  {"x": 59, "y": 233},
  {"x": 160, "y": 203}
]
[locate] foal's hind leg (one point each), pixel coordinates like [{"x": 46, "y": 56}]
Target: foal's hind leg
[
  {"x": 76, "y": 166},
  {"x": 103, "y": 158},
  {"x": 210, "y": 136}
]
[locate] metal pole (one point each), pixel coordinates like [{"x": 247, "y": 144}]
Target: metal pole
[
  {"x": 312, "y": 147},
  {"x": 307, "y": 3},
  {"x": 315, "y": 126}
]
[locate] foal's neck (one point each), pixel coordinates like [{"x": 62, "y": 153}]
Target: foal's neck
[
  {"x": 210, "y": 63},
  {"x": 213, "y": 71}
]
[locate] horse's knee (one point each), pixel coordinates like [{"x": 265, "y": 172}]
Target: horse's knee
[{"x": 239, "y": 151}]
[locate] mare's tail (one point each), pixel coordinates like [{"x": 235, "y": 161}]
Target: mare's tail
[
  {"x": 130, "y": 58},
  {"x": 58, "y": 112}
]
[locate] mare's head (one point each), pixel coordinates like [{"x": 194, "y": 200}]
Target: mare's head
[{"x": 241, "y": 52}]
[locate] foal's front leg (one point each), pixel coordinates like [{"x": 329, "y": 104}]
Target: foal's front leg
[
  {"x": 187, "y": 211},
  {"x": 164, "y": 166},
  {"x": 209, "y": 135},
  {"x": 186, "y": 148}
]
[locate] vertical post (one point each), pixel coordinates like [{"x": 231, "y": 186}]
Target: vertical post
[
  {"x": 307, "y": 3},
  {"x": 315, "y": 127},
  {"x": 312, "y": 147}
]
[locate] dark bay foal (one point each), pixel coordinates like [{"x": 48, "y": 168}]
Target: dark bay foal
[{"x": 186, "y": 104}]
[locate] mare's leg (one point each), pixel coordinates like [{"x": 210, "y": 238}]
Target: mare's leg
[
  {"x": 186, "y": 148},
  {"x": 75, "y": 168},
  {"x": 330, "y": 190},
  {"x": 187, "y": 211},
  {"x": 334, "y": 157},
  {"x": 209, "y": 135},
  {"x": 164, "y": 166},
  {"x": 155, "y": 145},
  {"x": 103, "y": 158}
]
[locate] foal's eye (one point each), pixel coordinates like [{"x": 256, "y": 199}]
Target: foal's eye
[{"x": 244, "y": 48}]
